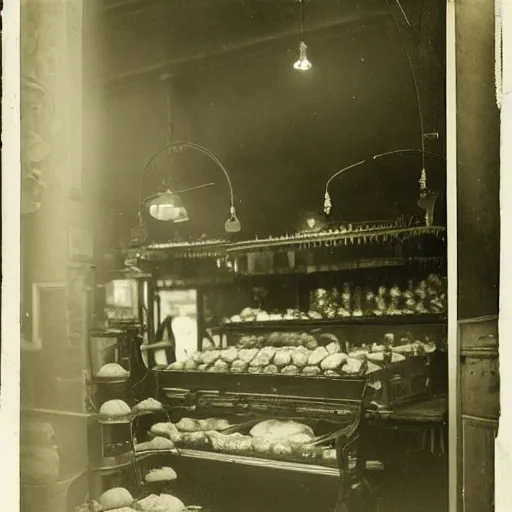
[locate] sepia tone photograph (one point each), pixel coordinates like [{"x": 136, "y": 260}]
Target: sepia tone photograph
[{"x": 259, "y": 255}]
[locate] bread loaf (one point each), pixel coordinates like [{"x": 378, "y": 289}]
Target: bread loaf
[
  {"x": 115, "y": 409},
  {"x": 112, "y": 370},
  {"x": 115, "y": 498},
  {"x": 165, "y": 474}
]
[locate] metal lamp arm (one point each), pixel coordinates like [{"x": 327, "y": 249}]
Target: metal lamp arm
[
  {"x": 327, "y": 197},
  {"x": 189, "y": 145}
]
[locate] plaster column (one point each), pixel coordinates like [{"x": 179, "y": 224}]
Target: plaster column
[{"x": 478, "y": 176}]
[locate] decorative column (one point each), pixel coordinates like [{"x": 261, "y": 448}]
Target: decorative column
[
  {"x": 59, "y": 223},
  {"x": 56, "y": 213}
]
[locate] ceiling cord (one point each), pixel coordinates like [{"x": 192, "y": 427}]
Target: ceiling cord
[
  {"x": 415, "y": 83},
  {"x": 301, "y": 20}
]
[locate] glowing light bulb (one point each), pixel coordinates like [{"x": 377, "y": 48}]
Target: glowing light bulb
[
  {"x": 164, "y": 212},
  {"x": 303, "y": 64},
  {"x": 166, "y": 207}
]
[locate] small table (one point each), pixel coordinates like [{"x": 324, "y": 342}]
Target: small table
[{"x": 429, "y": 417}]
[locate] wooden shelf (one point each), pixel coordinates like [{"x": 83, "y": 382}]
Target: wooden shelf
[
  {"x": 398, "y": 320},
  {"x": 330, "y": 239},
  {"x": 351, "y": 264}
]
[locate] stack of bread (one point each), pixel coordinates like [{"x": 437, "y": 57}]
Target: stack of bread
[{"x": 284, "y": 353}]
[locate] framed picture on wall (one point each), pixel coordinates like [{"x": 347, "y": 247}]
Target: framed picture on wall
[{"x": 48, "y": 313}]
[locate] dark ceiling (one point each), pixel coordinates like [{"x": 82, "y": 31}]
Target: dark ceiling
[
  {"x": 281, "y": 133},
  {"x": 161, "y": 33}
]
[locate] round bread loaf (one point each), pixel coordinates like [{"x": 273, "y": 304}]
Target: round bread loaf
[
  {"x": 117, "y": 497},
  {"x": 112, "y": 370},
  {"x": 115, "y": 409}
]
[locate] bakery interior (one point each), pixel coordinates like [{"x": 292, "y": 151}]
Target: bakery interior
[{"x": 234, "y": 258}]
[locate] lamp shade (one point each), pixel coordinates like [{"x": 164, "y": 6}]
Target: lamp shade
[
  {"x": 232, "y": 225},
  {"x": 167, "y": 207}
]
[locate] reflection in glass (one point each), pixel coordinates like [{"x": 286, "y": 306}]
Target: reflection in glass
[{"x": 178, "y": 325}]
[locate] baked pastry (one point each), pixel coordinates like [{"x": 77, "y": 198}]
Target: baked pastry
[
  {"x": 229, "y": 354},
  {"x": 300, "y": 357},
  {"x": 157, "y": 443},
  {"x": 211, "y": 356},
  {"x": 112, "y": 371},
  {"x": 155, "y": 503},
  {"x": 190, "y": 365},
  {"x": 219, "y": 366},
  {"x": 164, "y": 474},
  {"x": 238, "y": 366},
  {"x": 260, "y": 361},
  {"x": 247, "y": 354},
  {"x": 311, "y": 371},
  {"x": 317, "y": 356},
  {"x": 150, "y": 404},
  {"x": 277, "y": 429},
  {"x": 333, "y": 361},
  {"x": 282, "y": 358},
  {"x": 290, "y": 370},
  {"x": 188, "y": 425},
  {"x": 271, "y": 369}
]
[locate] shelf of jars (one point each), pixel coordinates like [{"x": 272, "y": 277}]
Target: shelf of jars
[{"x": 419, "y": 302}]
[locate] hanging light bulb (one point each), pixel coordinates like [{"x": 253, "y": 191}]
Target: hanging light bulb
[{"x": 303, "y": 64}]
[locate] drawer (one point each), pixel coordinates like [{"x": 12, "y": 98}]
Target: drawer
[
  {"x": 479, "y": 333},
  {"x": 480, "y": 387}
]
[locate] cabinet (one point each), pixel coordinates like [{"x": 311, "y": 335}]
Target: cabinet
[
  {"x": 478, "y": 464},
  {"x": 479, "y": 380}
]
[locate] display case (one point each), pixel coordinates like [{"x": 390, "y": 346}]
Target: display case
[{"x": 310, "y": 335}]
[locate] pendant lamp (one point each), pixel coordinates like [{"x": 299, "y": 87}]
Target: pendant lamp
[
  {"x": 167, "y": 206},
  {"x": 303, "y": 64}
]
